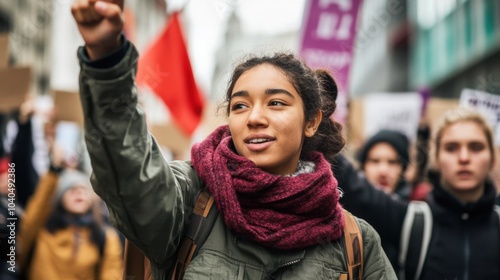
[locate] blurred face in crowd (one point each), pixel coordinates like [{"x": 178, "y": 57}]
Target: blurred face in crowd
[
  {"x": 4, "y": 176},
  {"x": 266, "y": 119},
  {"x": 77, "y": 200},
  {"x": 383, "y": 167},
  {"x": 464, "y": 158},
  {"x": 4, "y": 186}
]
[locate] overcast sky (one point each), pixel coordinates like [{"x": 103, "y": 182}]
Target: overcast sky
[{"x": 207, "y": 22}]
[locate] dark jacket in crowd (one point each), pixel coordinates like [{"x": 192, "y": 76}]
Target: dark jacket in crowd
[
  {"x": 465, "y": 241},
  {"x": 22, "y": 156}
]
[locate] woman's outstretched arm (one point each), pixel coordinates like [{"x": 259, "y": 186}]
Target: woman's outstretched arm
[{"x": 149, "y": 199}]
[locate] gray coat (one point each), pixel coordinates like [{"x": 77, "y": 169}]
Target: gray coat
[{"x": 150, "y": 200}]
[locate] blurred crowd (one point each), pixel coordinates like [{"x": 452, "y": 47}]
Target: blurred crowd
[{"x": 61, "y": 226}]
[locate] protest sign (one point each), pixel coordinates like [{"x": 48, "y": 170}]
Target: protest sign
[{"x": 486, "y": 103}]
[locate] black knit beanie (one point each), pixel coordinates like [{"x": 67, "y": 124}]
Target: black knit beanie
[{"x": 396, "y": 139}]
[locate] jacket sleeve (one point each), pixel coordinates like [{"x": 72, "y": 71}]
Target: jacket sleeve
[
  {"x": 385, "y": 213},
  {"x": 112, "y": 265},
  {"x": 37, "y": 212},
  {"x": 376, "y": 264},
  {"x": 149, "y": 199}
]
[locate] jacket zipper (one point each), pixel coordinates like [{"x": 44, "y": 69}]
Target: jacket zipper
[
  {"x": 467, "y": 255},
  {"x": 289, "y": 263},
  {"x": 273, "y": 275}
]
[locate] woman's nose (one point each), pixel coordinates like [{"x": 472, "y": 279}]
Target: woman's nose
[
  {"x": 257, "y": 116},
  {"x": 464, "y": 155}
]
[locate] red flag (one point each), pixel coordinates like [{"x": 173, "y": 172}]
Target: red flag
[{"x": 165, "y": 69}]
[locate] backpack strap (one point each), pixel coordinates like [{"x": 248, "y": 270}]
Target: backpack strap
[
  {"x": 496, "y": 208},
  {"x": 354, "y": 246},
  {"x": 415, "y": 239},
  {"x": 202, "y": 220},
  {"x": 136, "y": 265}
]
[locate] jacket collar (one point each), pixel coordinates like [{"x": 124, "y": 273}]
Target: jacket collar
[{"x": 444, "y": 198}]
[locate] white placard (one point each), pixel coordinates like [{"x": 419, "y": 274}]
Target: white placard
[
  {"x": 486, "y": 103},
  {"x": 395, "y": 111}
]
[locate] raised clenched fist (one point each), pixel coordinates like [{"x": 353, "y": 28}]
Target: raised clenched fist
[{"x": 100, "y": 24}]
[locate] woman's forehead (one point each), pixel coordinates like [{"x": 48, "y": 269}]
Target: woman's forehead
[
  {"x": 464, "y": 131},
  {"x": 79, "y": 186},
  {"x": 267, "y": 75}
]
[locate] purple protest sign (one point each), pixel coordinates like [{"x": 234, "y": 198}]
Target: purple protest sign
[{"x": 328, "y": 35}]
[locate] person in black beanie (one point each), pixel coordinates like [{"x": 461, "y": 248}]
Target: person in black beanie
[{"x": 384, "y": 159}]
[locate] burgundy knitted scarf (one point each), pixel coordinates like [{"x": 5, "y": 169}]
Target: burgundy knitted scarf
[{"x": 282, "y": 212}]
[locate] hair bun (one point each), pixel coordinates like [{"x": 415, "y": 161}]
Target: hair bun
[{"x": 329, "y": 90}]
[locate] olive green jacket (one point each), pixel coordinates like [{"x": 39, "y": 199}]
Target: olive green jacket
[{"x": 150, "y": 200}]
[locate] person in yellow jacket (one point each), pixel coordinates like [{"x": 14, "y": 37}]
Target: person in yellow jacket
[{"x": 62, "y": 236}]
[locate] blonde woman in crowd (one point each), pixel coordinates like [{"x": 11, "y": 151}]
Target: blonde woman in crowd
[{"x": 465, "y": 237}]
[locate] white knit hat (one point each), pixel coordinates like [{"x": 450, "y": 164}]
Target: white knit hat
[{"x": 68, "y": 179}]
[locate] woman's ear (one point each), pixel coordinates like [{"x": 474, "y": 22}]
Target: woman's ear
[{"x": 312, "y": 125}]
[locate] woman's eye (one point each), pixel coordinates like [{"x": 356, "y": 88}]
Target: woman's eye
[
  {"x": 276, "y": 103},
  {"x": 450, "y": 148},
  {"x": 237, "y": 106},
  {"x": 394, "y": 162},
  {"x": 477, "y": 147}
]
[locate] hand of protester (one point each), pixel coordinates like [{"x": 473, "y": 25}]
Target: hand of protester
[
  {"x": 26, "y": 110},
  {"x": 100, "y": 24},
  {"x": 57, "y": 156}
]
